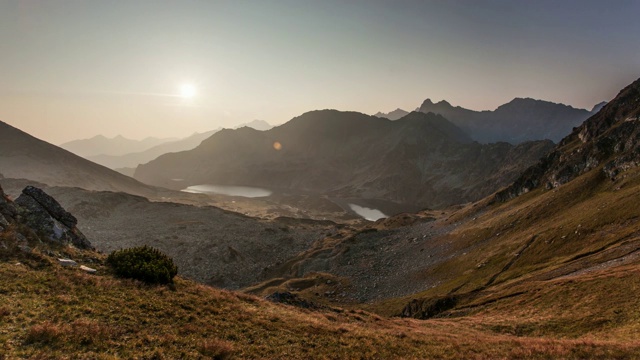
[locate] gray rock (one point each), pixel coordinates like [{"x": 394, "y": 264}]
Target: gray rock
[
  {"x": 88, "y": 269},
  {"x": 67, "y": 262},
  {"x": 51, "y": 206},
  {"x": 45, "y": 216}
]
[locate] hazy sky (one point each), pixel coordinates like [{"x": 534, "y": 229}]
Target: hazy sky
[{"x": 74, "y": 69}]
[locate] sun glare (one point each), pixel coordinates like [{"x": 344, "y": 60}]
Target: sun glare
[{"x": 187, "y": 91}]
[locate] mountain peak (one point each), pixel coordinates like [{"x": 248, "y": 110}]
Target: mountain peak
[
  {"x": 597, "y": 107},
  {"x": 393, "y": 115}
]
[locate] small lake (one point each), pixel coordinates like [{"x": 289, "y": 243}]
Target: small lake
[
  {"x": 245, "y": 191},
  {"x": 367, "y": 213}
]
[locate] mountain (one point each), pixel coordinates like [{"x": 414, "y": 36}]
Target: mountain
[
  {"x": 609, "y": 140},
  {"x": 419, "y": 159},
  {"x": 131, "y": 160},
  {"x": 515, "y": 122},
  {"x": 24, "y": 156},
  {"x": 118, "y": 145},
  {"x": 597, "y": 107},
  {"x": 393, "y": 115},
  {"x": 260, "y": 125},
  {"x": 533, "y": 261}
]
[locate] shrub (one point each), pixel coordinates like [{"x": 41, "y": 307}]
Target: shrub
[{"x": 143, "y": 263}]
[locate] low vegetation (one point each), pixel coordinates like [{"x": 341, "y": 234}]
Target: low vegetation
[{"x": 143, "y": 263}]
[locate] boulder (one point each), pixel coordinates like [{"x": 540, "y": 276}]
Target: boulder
[
  {"x": 88, "y": 269},
  {"x": 44, "y": 215},
  {"x": 51, "y": 206},
  {"x": 67, "y": 262}
]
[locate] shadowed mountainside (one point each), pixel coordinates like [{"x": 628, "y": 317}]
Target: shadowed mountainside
[
  {"x": 133, "y": 159},
  {"x": 420, "y": 159},
  {"x": 24, "y": 156},
  {"x": 515, "y": 122}
]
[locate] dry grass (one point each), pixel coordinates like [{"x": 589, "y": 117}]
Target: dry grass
[{"x": 64, "y": 313}]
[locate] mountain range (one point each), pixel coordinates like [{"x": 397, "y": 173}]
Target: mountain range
[
  {"x": 521, "y": 119},
  {"x": 118, "y": 145},
  {"x": 127, "y": 159},
  {"x": 421, "y": 159}
]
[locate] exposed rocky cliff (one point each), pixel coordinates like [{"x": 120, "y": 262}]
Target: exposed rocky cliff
[{"x": 609, "y": 140}]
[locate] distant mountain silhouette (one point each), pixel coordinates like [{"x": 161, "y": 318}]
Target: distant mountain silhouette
[
  {"x": 393, "y": 115},
  {"x": 24, "y": 156},
  {"x": 597, "y": 107},
  {"x": 119, "y": 145},
  {"x": 132, "y": 160},
  {"x": 256, "y": 124},
  {"x": 419, "y": 159},
  {"x": 515, "y": 122}
]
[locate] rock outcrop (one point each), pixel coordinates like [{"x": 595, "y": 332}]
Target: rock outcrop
[
  {"x": 610, "y": 139},
  {"x": 46, "y": 217}
]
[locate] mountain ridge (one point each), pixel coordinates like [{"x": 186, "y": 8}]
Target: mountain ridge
[
  {"x": 521, "y": 119},
  {"x": 352, "y": 155}
]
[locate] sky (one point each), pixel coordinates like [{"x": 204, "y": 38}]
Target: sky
[{"x": 75, "y": 69}]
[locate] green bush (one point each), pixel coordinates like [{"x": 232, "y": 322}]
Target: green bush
[{"x": 143, "y": 263}]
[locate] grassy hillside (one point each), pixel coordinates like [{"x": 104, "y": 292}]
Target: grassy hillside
[
  {"x": 51, "y": 312},
  {"x": 561, "y": 263}
]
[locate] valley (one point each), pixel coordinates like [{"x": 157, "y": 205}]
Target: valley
[{"x": 443, "y": 232}]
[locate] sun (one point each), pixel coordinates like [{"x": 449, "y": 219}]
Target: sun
[{"x": 188, "y": 91}]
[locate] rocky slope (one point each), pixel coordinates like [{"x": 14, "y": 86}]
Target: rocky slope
[
  {"x": 420, "y": 159},
  {"x": 514, "y": 122},
  {"x": 208, "y": 244},
  {"x": 24, "y": 156}
]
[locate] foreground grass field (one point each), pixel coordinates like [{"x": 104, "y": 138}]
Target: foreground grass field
[{"x": 51, "y": 312}]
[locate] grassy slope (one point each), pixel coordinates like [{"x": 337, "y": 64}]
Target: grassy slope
[
  {"x": 50, "y": 312},
  {"x": 560, "y": 263}
]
